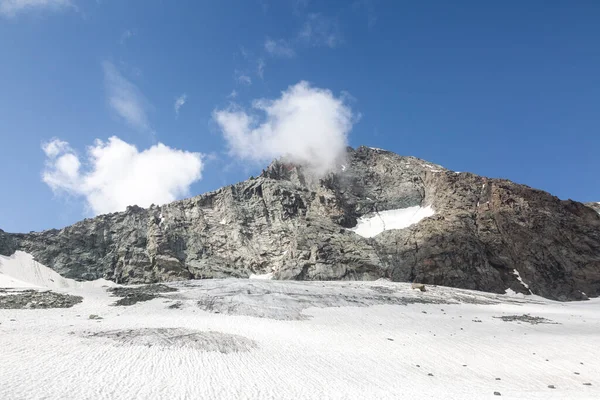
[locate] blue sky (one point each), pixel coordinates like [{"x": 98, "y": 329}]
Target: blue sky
[{"x": 502, "y": 89}]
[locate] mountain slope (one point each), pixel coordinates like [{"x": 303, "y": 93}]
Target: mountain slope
[{"x": 484, "y": 234}]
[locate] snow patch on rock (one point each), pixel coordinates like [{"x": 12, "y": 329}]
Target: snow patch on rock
[
  {"x": 516, "y": 273},
  {"x": 372, "y": 225}
]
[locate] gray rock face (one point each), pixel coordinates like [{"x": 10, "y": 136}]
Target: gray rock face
[{"x": 484, "y": 235}]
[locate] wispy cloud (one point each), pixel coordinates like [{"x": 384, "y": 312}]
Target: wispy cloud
[
  {"x": 299, "y": 6},
  {"x": 233, "y": 94},
  {"x": 368, "y": 7},
  {"x": 279, "y": 48},
  {"x": 319, "y": 30},
  {"x": 242, "y": 78},
  {"x": 306, "y": 125},
  {"x": 116, "y": 174},
  {"x": 126, "y": 35},
  {"x": 125, "y": 99},
  {"x": 10, "y": 8},
  {"x": 260, "y": 68},
  {"x": 179, "y": 102}
]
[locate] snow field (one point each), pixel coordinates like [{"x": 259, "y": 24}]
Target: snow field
[{"x": 419, "y": 350}]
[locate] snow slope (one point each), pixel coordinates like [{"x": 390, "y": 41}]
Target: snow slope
[
  {"x": 22, "y": 271},
  {"x": 373, "y": 225},
  {"x": 264, "y": 339}
]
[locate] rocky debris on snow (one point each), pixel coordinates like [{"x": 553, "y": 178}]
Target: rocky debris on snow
[
  {"x": 135, "y": 294},
  {"x": 497, "y": 394},
  {"x": 482, "y": 233},
  {"x": 33, "y": 299},
  {"x": 383, "y": 289},
  {"x": 95, "y": 316},
  {"x": 526, "y": 318},
  {"x": 471, "y": 299},
  {"x": 286, "y": 301},
  {"x": 290, "y": 306},
  {"x": 178, "y": 337},
  {"x": 175, "y": 306}
]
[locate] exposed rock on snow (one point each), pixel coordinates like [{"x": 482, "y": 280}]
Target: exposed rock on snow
[
  {"x": 526, "y": 318},
  {"x": 33, "y": 299},
  {"x": 287, "y": 223},
  {"x": 135, "y": 294}
]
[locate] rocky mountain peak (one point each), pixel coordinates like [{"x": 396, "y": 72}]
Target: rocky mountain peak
[{"x": 423, "y": 223}]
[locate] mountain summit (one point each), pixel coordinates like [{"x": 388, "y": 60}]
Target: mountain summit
[{"x": 379, "y": 215}]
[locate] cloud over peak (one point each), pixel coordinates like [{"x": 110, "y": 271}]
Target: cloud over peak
[
  {"x": 115, "y": 174},
  {"x": 306, "y": 125}
]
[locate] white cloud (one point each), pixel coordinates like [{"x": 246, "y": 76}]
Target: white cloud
[
  {"x": 279, "y": 48},
  {"x": 116, "y": 174},
  {"x": 306, "y": 125},
  {"x": 233, "y": 94},
  {"x": 125, "y": 98},
  {"x": 319, "y": 30},
  {"x": 10, "y": 8},
  {"x": 55, "y": 147},
  {"x": 179, "y": 102}
]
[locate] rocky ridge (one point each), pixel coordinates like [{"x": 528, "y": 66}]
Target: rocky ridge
[{"x": 486, "y": 234}]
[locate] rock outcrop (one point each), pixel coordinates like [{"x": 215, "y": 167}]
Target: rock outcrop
[{"x": 486, "y": 234}]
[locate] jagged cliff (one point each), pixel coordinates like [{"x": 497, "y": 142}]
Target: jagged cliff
[{"x": 485, "y": 234}]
